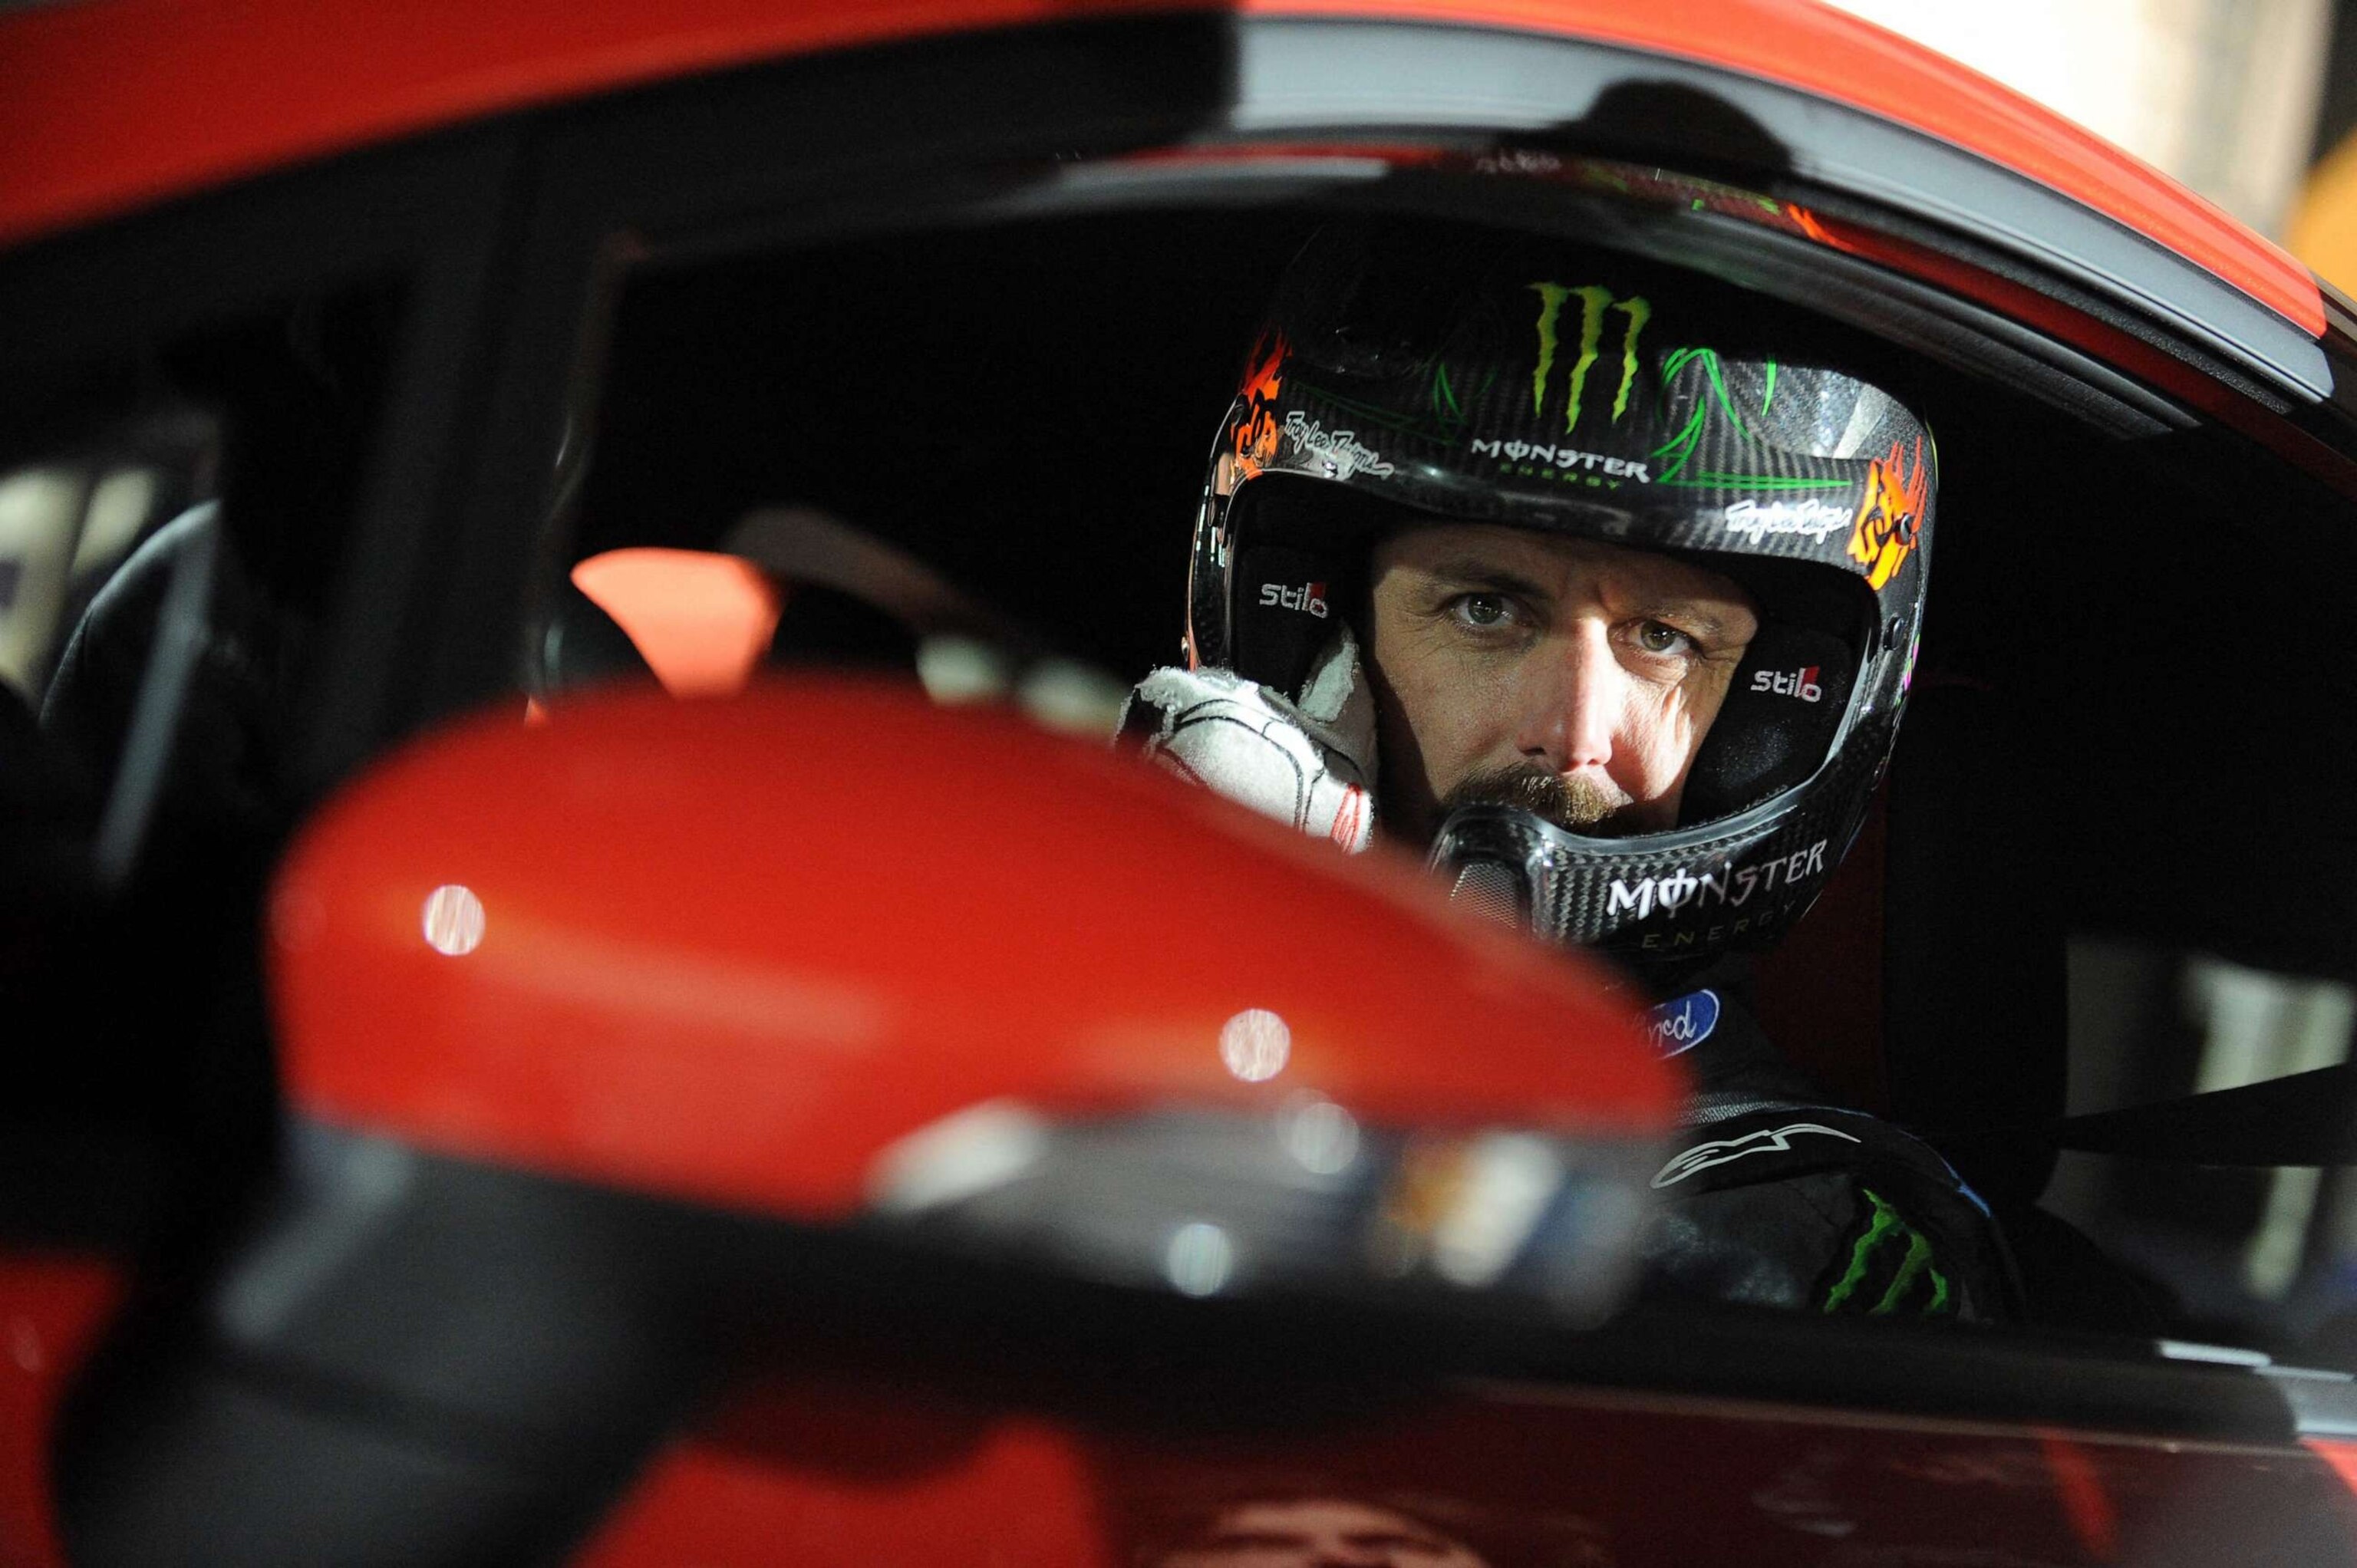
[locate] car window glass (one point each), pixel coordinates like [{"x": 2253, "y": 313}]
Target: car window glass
[
  {"x": 66, "y": 524},
  {"x": 164, "y": 569},
  {"x": 2262, "y": 1254}
]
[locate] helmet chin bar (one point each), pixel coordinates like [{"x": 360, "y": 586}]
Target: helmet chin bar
[
  {"x": 1504, "y": 863},
  {"x": 1658, "y": 903}
]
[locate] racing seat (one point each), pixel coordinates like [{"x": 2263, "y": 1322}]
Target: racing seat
[
  {"x": 224, "y": 755},
  {"x": 823, "y": 625},
  {"x": 1976, "y": 1008},
  {"x": 790, "y": 587},
  {"x": 579, "y": 643},
  {"x": 1929, "y": 986}
]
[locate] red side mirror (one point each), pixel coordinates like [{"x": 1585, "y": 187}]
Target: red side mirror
[{"x": 827, "y": 949}]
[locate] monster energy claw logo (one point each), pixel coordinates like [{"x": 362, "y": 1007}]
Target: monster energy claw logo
[{"x": 1595, "y": 302}]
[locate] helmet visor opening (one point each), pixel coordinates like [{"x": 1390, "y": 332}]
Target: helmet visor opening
[{"x": 1303, "y": 552}]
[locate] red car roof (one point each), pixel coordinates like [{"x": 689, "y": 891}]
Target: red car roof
[{"x": 108, "y": 104}]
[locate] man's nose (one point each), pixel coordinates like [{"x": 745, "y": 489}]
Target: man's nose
[{"x": 1572, "y": 705}]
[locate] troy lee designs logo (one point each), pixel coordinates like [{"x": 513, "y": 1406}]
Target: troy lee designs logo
[
  {"x": 1810, "y": 519},
  {"x": 1679, "y": 1025},
  {"x": 1309, "y": 598},
  {"x": 1800, "y": 684},
  {"x": 1342, "y": 449},
  {"x": 1890, "y": 517},
  {"x": 1683, "y": 892}
]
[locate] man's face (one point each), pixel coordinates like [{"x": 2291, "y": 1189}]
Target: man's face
[
  {"x": 1572, "y": 677},
  {"x": 1320, "y": 1532}
]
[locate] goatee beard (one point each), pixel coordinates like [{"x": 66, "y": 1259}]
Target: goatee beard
[{"x": 1577, "y": 804}]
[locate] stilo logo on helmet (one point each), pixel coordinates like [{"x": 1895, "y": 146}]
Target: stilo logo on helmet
[
  {"x": 1432, "y": 378},
  {"x": 1309, "y": 598},
  {"x": 1800, "y": 684}
]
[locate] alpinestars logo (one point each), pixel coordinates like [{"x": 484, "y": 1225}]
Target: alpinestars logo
[
  {"x": 1801, "y": 684},
  {"x": 1595, "y": 302},
  {"x": 1309, "y": 598},
  {"x": 1768, "y": 1140}
]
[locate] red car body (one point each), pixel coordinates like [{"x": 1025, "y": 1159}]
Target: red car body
[
  {"x": 123, "y": 113},
  {"x": 117, "y": 106}
]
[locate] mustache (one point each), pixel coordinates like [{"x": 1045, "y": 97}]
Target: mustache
[{"x": 1576, "y": 804}]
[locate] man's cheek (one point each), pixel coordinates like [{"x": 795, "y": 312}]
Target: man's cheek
[
  {"x": 1657, "y": 741},
  {"x": 1460, "y": 732}
]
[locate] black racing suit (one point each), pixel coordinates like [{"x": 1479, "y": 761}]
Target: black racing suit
[{"x": 1776, "y": 1198}]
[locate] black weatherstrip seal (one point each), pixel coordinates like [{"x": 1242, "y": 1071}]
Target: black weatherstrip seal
[{"x": 1294, "y": 74}]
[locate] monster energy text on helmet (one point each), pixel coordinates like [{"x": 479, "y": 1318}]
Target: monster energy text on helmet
[{"x": 1407, "y": 380}]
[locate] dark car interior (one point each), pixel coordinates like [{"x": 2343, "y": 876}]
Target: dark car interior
[
  {"x": 1024, "y": 408},
  {"x": 1021, "y": 409}
]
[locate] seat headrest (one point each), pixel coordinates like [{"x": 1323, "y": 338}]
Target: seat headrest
[
  {"x": 1976, "y": 1008},
  {"x": 825, "y": 625}
]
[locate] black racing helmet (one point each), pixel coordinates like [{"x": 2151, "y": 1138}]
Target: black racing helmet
[{"x": 1442, "y": 377}]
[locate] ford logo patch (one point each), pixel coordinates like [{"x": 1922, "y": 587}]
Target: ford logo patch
[{"x": 1680, "y": 1024}]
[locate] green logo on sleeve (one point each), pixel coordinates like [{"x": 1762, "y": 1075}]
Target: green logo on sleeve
[{"x": 1890, "y": 1269}]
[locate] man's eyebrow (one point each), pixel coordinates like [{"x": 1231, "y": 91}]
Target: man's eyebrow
[
  {"x": 1481, "y": 572},
  {"x": 1474, "y": 572},
  {"x": 1691, "y": 613}
]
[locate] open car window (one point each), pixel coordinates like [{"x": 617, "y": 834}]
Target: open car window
[{"x": 963, "y": 445}]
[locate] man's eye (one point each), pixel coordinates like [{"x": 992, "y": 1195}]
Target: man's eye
[
  {"x": 1483, "y": 610},
  {"x": 1657, "y": 637}
]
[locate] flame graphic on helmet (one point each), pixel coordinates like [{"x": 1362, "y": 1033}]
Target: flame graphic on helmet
[
  {"x": 1898, "y": 488},
  {"x": 1256, "y": 432}
]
